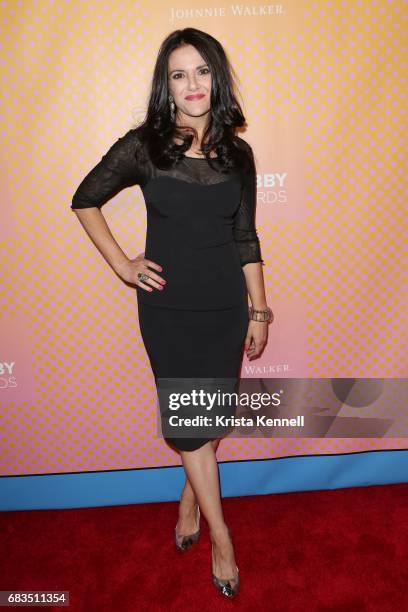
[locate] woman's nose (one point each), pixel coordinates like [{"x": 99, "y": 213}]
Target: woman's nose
[{"x": 192, "y": 83}]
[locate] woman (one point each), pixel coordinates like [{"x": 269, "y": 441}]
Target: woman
[{"x": 202, "y": 255}]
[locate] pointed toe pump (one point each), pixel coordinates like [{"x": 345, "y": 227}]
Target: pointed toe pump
[
  {"x": 184, "y": 542},
  {"x": 227, "y": 587}
]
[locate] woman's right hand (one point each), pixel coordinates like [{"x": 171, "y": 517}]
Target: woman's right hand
[{"x": 130, "y": 269}]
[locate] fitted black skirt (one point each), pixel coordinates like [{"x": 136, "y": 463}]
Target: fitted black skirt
[{"x": 183, "y": 345}]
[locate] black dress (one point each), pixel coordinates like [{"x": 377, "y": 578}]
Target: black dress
[{"x": 201, "y": 230}]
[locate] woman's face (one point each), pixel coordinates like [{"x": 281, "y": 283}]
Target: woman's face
[{"x": 189, "y": 81}]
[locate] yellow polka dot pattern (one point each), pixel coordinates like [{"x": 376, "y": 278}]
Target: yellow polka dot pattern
[{"x": 324, "y": 91}]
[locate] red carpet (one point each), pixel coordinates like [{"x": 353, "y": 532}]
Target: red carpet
[{"x": 341, "y": 550}]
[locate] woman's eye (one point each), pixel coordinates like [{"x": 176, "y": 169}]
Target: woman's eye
[{"x": 202, "y": 71}]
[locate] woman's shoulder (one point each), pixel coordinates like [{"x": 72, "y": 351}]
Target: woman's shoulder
[
  {"x": 243, "y": 144},
  {"x": 246, "y": 150},
  {"x": 130, "y": 145},
  {"x": 132, "y": 138},
  {"x": 246, "y": 154}
]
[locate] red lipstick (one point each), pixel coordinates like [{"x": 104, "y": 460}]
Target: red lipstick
[{"x": 195, "y": 97}]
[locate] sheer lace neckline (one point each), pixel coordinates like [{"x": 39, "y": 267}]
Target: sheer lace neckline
[{"x": 189, "y": 157}]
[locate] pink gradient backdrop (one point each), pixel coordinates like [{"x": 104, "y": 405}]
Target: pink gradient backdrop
[{"x": 324, "y": 92}]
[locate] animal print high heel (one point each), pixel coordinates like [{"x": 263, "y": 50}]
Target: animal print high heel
[
  {"x": 227, "y": 587},
  {"x": 184, "y": 542}
]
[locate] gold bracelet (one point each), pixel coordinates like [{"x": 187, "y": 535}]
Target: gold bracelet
[{"x": 261, "y": 315}]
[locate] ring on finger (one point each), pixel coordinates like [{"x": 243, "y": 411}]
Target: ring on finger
[{"x": 143, "y": 277}]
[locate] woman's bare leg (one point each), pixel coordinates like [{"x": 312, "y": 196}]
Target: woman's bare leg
[
  {"x": 188, "y": 504},
  {"x": 201, "y": 468}
]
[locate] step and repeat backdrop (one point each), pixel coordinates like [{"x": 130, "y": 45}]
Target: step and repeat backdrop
[{"x": 323, "y": 89}]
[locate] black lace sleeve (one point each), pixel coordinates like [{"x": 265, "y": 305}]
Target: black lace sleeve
[
  {"x": 245, "y": 234},
  {"x": 116, "y": 170}
]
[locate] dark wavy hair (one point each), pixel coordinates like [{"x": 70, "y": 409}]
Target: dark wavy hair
[{"x": 158, "y": 130}]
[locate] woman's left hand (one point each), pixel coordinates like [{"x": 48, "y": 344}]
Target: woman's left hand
[{"x": 256, "y": 338}]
